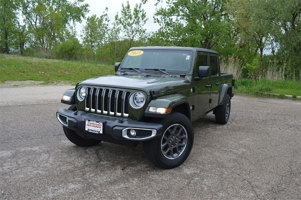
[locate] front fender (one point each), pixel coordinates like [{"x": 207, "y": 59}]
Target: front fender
[{"x": 69, "y": 97}]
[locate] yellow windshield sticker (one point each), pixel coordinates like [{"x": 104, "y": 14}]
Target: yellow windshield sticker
[{"x": 135, "y": 53}]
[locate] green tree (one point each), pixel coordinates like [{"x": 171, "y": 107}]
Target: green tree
[
  {"x": 8, "y": 9},
  {"x": 197, "y": 23},
  {"x": 287, "y": 33},
  {"x": 95, "y": 31},
  {"x": 112, "y": 47},
  {"x": 21, "y": 36},
  {"x": 253, "y": 26},
  {"x": 273, "y": 25},
  {"x": 48, "y": 20},
  {"x": 132, "y": 22}
]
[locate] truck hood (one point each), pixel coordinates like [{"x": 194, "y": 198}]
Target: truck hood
[{"x": 137, "y": 82}]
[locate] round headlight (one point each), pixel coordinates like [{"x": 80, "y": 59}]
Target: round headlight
[
  {"x": 137, "y": 100},
  {"x": 82, "y": 93}
]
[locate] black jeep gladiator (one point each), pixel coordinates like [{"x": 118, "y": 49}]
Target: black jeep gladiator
[{"x": 154, "y": 96}]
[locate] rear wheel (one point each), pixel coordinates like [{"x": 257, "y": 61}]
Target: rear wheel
[
  {"x": 222, "y": 112},
  {"x": 174, "y": 146},
  {"x": 76, "y": 139}
]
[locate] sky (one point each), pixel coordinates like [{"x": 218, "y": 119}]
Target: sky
[{"x": 98, "y": 7}]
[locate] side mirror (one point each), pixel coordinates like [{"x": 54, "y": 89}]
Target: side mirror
[
  {"x": 117, "y": 65},
  {"x": 203, "y": 71}
]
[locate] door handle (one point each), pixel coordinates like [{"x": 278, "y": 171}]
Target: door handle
[{"x": 208, "y": 86}]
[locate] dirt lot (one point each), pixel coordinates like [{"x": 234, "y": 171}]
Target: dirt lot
[{"x": 257, "y": 155}]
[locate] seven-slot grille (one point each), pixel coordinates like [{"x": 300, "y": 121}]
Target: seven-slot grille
[{"x": 107, "y": 101}]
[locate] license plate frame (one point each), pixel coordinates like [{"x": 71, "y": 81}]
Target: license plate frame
[{"x": 94, "y": 127}]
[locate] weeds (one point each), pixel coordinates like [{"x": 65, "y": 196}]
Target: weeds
[{"x": 282, "y": 87}]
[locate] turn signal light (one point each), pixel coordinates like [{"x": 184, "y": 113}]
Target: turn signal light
[{"x": 160, "y": 110}]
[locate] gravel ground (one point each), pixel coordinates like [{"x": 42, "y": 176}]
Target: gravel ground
[{"x": 257, "y": 155}]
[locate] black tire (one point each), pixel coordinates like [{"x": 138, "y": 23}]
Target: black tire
[
  {"x": 76, "y": 139},
  {"x": 174, "y": 146},
  {"x": 222, "y": 112}
]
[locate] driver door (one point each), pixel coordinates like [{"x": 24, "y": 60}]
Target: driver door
[{"x": 200, "y": 90}]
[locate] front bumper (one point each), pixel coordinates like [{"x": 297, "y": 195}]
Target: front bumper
[{"x": 114, "y": 129}]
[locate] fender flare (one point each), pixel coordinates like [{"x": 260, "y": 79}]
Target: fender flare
[
  {"x": 71, "y": 94},
  {"x": 168, "y": 101},
  {"x": 223, "y": 93}
]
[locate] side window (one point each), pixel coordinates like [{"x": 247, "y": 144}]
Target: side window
[
  {"x": 213, "y": 65},
  {"x": 202, "y": 60}
]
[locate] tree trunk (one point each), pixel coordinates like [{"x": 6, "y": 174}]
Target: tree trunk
[
  {"x": 260, "y": 63},
  {"x": 21, "y": 48},
  {"x": 6, "y": 47}
]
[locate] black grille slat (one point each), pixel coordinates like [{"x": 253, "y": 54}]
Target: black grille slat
[
  {"x": 118, "y": 103},
  {"x": 103, "y": 97},
  {"x": 87, "y": 100},
  {"x": 105, "y": 105},
  {"x": 110, "y": 101},
  {"x": 98, "y": 101},
  {"x": 107, "y": 101},
  {"x": 126, "y": 103},
  {"x": 93, "y": 99}
]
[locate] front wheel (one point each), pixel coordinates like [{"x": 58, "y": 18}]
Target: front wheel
[
  {"x": 174, "y": 146},
  {"x": 79, "y": 141},
  {"x": 75, "y": 138}
]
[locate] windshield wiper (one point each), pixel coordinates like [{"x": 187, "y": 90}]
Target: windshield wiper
[
  {"x": 160, "y": 70},
  {"x": 133, "y": 69}
]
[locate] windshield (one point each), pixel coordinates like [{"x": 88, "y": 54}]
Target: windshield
[{"x": 177, "y": 61}]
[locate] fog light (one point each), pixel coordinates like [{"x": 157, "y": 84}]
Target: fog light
[
  {"x": 133, "y": 132},
  {"x": 138, "y": 134}
]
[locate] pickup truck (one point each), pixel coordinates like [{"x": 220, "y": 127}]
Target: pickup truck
[{"x": 154, "y": 96}]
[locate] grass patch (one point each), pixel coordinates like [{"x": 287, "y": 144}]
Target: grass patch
[
  {"x": 18, "y": 68},
  {"x": 281, "y": 87}
]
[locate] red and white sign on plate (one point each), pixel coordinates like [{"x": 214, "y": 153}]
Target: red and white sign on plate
[{"x": 93, "y": 127}]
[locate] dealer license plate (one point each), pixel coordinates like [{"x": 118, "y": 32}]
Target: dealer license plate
[{"x": 93, "y": 127}]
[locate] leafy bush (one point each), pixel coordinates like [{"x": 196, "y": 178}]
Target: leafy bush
[
  {"x": 69, "y": 49},
  {"x": 250, "y": 70},
  {"x": 88, "y": 53}
]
